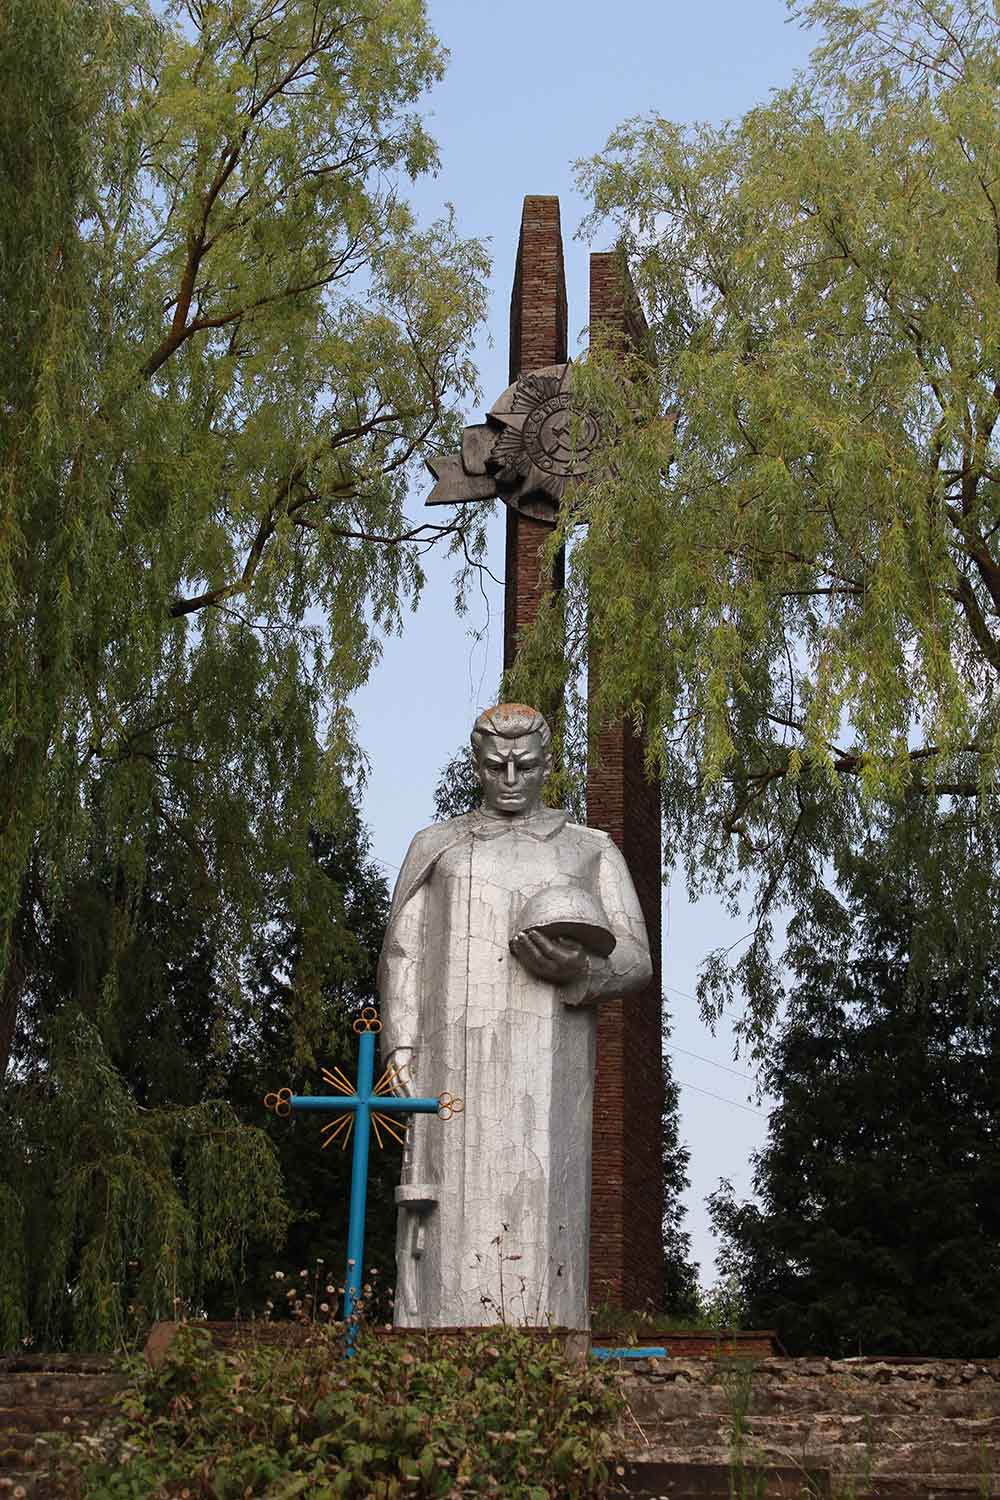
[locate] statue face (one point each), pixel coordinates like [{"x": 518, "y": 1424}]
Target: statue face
[{"x": 511, "y": 773}]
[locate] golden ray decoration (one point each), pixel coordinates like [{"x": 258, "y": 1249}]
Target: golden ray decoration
[
  {"x": 385, "y": 1082},
  {"x": 397, "y": 1131},
  {"x": 338, "y": 1081},
  {"x": 389, "y": 1079},
  {"x": 335, "y": 1127}
]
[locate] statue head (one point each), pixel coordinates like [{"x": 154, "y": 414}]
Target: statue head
[{"x": 511, "y": 744}]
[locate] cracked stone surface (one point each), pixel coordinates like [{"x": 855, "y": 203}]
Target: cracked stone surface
[{"x": 495, "y": 1203}]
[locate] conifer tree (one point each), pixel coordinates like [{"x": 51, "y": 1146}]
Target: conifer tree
[{"x": 878, "y": 1215}]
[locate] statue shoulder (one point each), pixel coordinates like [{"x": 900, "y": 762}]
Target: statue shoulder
[
  {"x": 426, "y": 848},
  {"x": 596, "y": 837},
  {"x": 439, "y": 836}
]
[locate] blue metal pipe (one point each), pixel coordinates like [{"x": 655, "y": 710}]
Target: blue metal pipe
[
  {"x": 359, "y": 1185},
  {"x": 388, "y": 1104},
  {"x": 632, "y": 1351}
]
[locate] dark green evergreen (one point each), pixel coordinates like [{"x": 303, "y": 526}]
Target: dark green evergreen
[
  {"x": 144, "y": 1157},
  {"x": 877, "y": 1229},
  {"x": 316, "y": 1181}
]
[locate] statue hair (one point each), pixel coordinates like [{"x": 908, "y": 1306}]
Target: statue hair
[{"x": 509, "y": 721}]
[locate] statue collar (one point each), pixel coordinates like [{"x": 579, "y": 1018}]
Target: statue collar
[
  {"x": 544, "y": 823},
  {"x": 429, "y": 845}
]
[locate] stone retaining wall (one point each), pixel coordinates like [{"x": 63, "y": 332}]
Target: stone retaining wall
[{"x": 875, "y": 1427}]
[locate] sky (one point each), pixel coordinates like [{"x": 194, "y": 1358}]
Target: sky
[{"x": 530, "y": 89}]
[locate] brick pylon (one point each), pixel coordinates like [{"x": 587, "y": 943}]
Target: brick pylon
[
  {"x": 626, "y": 1257},
  {"x": 537, "y": 339},
  {"x": 626, "y": 1243}
]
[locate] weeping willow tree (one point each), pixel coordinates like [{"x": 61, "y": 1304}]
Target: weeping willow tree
[
  {"x": 226, "y": 344},
  {"x": 791, "y": 563}
]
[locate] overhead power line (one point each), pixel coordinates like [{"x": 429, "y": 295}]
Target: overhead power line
[
  {"x": 736, "y": 1072},
  {"x": 750, "y": 1108},
  {"x": 672, "y": 1047}
]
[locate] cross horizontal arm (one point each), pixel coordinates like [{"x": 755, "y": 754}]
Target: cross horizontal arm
[{"x": 384, "y": 1103}]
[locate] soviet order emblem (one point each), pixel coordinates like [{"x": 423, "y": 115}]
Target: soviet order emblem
[
  {"x": 543, "y": 443},
  {"x": 532, "y": 444}
]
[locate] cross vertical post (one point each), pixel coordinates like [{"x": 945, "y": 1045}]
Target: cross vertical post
[
  {"x": 359, "y": 1179},
  {"x": 359, "y": 1110}
]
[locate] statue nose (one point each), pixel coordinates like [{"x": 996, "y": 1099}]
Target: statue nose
[{"x": 510, "y": 776}]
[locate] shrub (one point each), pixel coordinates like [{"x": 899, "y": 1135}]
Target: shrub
[{"x": 497, "y": 1412}]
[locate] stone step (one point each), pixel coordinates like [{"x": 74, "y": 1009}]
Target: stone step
[
  {"x": 63, "y": 1364},
  {"x": 823, "y": 1428},
  {"x": 56, "y": 1389},
  {"x": 933, "y": 1487},
  {"x": 927, "y": 1459},
  {"x": 693, "y": 1481},
  {"x": 669, "y": 1401},
  {"x": 34, "y": 1419},
  {"x": 855, "y": 1459},
  {"x": 687, "y": 1480}
]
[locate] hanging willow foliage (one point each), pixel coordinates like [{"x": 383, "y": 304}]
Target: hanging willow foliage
[
  {"x": 225, "y": 345},
  {"x": 790, "y": 570},
  {"x": 126, "y": 1214}
]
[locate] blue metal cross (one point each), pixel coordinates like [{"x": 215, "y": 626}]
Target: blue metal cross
[{"x": 361, "y": 1109}]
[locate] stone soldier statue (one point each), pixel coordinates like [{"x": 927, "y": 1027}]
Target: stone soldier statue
[{"x": 508, "y": 925}]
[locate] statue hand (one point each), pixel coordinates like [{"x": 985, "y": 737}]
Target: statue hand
[{"x": 559, "y": 960}]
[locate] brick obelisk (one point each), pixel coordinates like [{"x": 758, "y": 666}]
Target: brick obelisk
[
  {"x": 626, "y": 1250},
  {"x": 537, "y": 338},
  {"x": 626, "y": 1255}
]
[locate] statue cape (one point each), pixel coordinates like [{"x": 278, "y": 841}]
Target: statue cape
[{"x": 429, "y": 845}]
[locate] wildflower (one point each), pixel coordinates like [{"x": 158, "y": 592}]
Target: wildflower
[
  {"x": 279, "y": 1275},
  {"x": 331, "y": 1290},
  {"x": 320, "y": 1262},
  {"x": 303, "y": 1273},
  {"x": 324, "y": 1307}
]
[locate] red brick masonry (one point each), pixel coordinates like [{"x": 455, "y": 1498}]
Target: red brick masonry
[
  {"x": 627, "y": 1191},
  {"x": 537, "y": 339},
  {"x": 626, "y": 1255}
]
